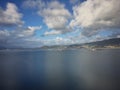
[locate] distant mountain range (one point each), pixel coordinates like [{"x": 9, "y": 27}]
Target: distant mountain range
[
  {"x": 109, "y": 43},
  {"x": 112, "y": 42}
]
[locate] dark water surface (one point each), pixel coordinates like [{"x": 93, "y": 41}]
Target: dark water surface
[{"x": 60, "y": 70}]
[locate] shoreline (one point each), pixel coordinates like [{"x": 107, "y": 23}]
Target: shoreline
[
  {"x": 93, "y": 49},
  {"x": 105, "y": 48}
]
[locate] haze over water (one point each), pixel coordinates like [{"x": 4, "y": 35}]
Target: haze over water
[{"x": 60, "y": 70}]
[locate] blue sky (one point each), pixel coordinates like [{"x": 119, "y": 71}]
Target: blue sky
[{"x": 35, "y": 23}]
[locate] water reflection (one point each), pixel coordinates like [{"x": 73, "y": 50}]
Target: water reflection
[{"x": 60, "y": 70}]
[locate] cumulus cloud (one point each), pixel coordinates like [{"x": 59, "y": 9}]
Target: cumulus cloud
[
  {"x": 54, "y": 14},
  {"x": 94, "y": 15},
  {"x": 10, "y": 16}
]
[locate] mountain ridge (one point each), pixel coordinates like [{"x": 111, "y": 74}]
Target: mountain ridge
[{"x": 108, "y": 43}]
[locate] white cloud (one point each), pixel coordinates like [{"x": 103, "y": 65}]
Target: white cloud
[
  {"x": 52, "y": 32},
  {"x": 30, "y": 30},
  {"x": 91, "y": 16},
  {"x": 55, "y": 15},
  {"x": 15, "y": 36},
  {"x": 97, "y": 14},
  {"x": 10, "y": 16}
]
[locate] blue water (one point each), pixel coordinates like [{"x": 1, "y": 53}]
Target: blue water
[{"x": 60, "y": 70}]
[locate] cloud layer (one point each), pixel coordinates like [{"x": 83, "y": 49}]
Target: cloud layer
[
  {"x": 19, "y": 37},
  {"x": 83, "y": 24}
]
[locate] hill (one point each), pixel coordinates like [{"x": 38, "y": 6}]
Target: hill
[{"x": 109, "y": 43}]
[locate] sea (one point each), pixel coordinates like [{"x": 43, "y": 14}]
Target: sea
[{"x": 79, "y": 69}]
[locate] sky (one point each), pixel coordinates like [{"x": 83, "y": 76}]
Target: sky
[{"x": 36, "y": 23}]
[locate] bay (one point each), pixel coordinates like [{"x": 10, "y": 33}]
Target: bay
[{"x": 80, "y": 69}]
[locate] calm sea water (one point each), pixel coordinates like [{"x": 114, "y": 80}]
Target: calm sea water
[{"x": 60, "y": 70}]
